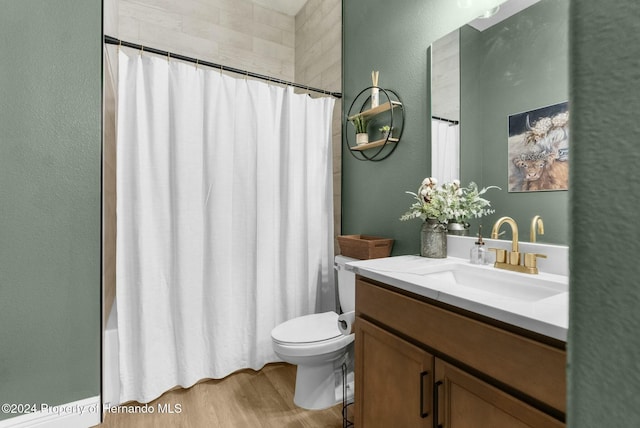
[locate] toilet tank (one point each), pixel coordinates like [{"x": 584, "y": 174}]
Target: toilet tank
[{"x": 346, "y": 284}]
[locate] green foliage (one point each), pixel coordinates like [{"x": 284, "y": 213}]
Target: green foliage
[
  {"x": 449, "y": 202},
  {"x": 360, "y": 123}
]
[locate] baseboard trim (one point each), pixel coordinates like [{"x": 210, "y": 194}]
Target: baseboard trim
[{"x": 78, "y": 414}]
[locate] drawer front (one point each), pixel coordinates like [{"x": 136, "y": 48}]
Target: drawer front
[{"x": 533, "y": 368}]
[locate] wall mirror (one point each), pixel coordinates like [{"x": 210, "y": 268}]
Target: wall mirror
[{"x": 513, "y": 61}]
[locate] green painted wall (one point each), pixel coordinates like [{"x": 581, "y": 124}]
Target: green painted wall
[
  {"x": 50, "y": 149},
  {"x": 604, "y": 338},
  {"x": 518, "y": 65},
  {"x": 393, "y": 37}
]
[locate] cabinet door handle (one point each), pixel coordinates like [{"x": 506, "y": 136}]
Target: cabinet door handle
[
  {"x": 436, "y": 404},
  {"x": 423, "y": 414}
]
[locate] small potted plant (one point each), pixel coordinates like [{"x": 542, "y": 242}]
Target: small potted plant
[
  {"x": 360, "y": 123},
  {"x": 385, "y": 131}
]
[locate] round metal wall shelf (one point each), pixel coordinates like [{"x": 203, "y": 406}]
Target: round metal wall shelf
[{"x": 385, "y": 145}]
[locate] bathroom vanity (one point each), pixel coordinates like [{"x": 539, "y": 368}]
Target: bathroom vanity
[{"x": 432, "y": 350}]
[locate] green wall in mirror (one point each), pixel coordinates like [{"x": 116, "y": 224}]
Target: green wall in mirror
[{"x": 517, "y": 65}]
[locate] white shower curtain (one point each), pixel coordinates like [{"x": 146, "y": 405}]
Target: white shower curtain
[
  {"x": 225, "y": 220},
  {"x": 445, "y": 151}
]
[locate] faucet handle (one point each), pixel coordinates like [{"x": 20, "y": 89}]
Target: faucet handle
[
  {"x": 514, "y": 258},
  {"x": 501, "y": 255},
  {"x": 530, "y": 259}
]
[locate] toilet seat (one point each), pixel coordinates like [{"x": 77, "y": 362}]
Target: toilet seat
[
  {"x": 307, "y": 329},
  {"x": 313, "y": 334}
]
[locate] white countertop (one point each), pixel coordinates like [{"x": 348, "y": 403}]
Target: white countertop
[{"x": 547, "y": 316}]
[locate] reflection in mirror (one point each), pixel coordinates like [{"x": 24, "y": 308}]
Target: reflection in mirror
[
  {"x": 485, "y": 72},
  {"x": 445, "y": 107}
]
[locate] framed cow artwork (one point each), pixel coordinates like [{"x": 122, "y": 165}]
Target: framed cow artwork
[{"x": 538, "y": 149}]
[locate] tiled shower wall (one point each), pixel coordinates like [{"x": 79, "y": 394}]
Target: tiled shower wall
[
  {"x": 236, "y": 33},
  {"x": 318, "y": 63}
]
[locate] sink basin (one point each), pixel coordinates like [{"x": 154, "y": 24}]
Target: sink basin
[{"x": 503, "y": 284}]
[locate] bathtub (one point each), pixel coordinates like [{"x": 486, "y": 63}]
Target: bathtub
[{"x": 110, "y": 361}]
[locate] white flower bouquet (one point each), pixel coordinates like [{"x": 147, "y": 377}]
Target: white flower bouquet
[{"x": 448, "y": 203}]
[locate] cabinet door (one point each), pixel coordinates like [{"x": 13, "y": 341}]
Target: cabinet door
[
  {"x": 394, "y": 380},
  {"x": 464, "y": 401}
]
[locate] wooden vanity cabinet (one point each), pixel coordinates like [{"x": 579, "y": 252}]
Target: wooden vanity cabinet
[
  {"x": 400, "y": 393},
  {"x": 465, "y": 401},
  {"x": 419, "y": 363}
]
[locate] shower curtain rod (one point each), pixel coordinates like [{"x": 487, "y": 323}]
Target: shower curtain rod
[
  {"x": 113, "y": 41},
  {"x": 451, "y": 121}
]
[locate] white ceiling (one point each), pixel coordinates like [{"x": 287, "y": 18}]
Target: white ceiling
[{"x": 288, "y": 7}]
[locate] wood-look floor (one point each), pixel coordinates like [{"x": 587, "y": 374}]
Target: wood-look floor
[{"x": 246, "y": 399}]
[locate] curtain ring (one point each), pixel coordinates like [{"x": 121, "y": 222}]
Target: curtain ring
[
  {"x": 168, "y": 56},
  {"x": 246, "y": 75},
  {"x": 221, "y": 69},
  {"x": 141, "y": 50},
  {"x": 197, "y": 60}
]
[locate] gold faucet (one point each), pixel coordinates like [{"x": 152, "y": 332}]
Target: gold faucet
[
  {"x": 514, "y": 231},
  {"x": 512, "y": 260},
  {"x": 536, "y": 222}
]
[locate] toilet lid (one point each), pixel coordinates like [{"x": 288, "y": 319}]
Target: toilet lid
[{"x": 308, "y": 329}]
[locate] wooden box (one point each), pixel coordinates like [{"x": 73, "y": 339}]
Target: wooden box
[{"x": 365, "y": 247}]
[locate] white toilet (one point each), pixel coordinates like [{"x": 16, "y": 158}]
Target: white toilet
[{"x": 315, "y": 344}]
